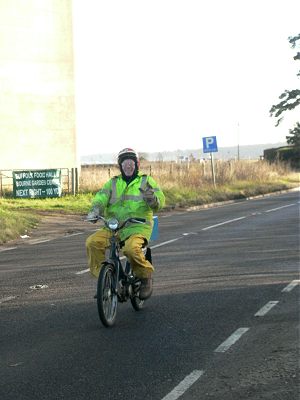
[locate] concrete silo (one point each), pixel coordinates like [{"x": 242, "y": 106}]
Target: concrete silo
[{"x": 37, "y": 113}]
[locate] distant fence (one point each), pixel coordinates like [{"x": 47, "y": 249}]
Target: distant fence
[{"x": 37, "y": 183}]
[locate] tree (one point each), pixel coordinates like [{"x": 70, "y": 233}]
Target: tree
[
  {"x": 293, "y": 138},
  {"x": 290, "y": 99}
]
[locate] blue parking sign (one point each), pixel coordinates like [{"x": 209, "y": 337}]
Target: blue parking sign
[{"x": 210, "y": 144}]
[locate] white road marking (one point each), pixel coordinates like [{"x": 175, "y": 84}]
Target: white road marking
[
  {"x": 163, "y": 243},
  {"x": 8, "y": 298},
  {"x": 223, "y": 223},
  {"x": 184, "y": 385},
  {"x": 8, "y": 248},
  {"x": 39, "y": 241},
  {"x": 231, "y": 340},
  {"x": 82, "y": 272},
  {"x": 291, "y": 286},
  {"x": 266, "y": 308},
  {"x": 279, "y": 208}
]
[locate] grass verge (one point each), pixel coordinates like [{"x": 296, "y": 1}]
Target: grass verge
[{"x": 13, "y": 224}]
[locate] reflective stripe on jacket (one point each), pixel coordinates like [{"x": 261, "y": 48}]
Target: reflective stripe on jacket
[{"x": 123, "y": 201}]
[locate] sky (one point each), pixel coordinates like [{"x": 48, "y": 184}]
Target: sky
[{"x": 159, "y": 75}]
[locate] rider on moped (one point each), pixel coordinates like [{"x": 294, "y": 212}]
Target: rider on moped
[{"x": 130, "y": 194}]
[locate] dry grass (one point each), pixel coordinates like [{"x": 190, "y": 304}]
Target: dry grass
[
  {"x": 93, "y": 177},
  {"x": 13, "y": 224},
  {"x": 191, "y": 175}
]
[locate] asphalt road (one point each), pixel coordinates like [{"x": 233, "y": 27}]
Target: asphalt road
[{"x": 223, "y": 322}]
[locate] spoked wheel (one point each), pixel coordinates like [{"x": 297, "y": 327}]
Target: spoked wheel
[
  {"x": 137, "y": 303},
  {"x": 107, "y": 300}
]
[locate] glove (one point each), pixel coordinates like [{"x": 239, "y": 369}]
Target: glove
[
  {"x": 149, "y": 196},
  {"x": 93, "y": 215}
]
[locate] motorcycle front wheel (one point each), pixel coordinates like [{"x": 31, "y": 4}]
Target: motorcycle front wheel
[{"x": 107, "y": 300}]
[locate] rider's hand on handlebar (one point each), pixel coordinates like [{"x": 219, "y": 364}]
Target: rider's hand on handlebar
[
  {"x": 93, "y": 215},
  {"x": 149, "y": 196}
]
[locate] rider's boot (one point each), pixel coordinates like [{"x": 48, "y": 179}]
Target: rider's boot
[{"x": 146, "y": 287}]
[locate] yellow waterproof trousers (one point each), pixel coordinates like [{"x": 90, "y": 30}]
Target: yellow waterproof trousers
[{"x": 98, "y": 242}]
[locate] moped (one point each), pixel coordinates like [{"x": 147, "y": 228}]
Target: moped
[{"x": 117, "y": 282}]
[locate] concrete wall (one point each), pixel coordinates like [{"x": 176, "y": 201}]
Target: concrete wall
[{"x": 37, "y": 113}]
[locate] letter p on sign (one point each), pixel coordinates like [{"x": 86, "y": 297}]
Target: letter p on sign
[{"x": 210, "y": 144}]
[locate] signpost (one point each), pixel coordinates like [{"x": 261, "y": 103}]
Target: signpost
[
  {"x": 37, "y": 183},
  {"x": 210, "y": 146}
]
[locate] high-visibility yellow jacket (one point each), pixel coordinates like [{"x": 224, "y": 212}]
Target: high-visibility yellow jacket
[{"x": 122, "y": 201}]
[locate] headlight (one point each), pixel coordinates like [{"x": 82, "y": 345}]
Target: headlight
[{"x": 113, "y": 224}]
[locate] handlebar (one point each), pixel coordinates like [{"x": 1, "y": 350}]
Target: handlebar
[
  {"x": 119, "y": 226},
  {"x": 139, "y": 220}
]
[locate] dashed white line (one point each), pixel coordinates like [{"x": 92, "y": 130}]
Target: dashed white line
[
  {"x": 39, "y": 241},
  {"x": 223, "y": 223},
  {"x": 184, "y": 385},
  {"x": 8, "y": 298},
  {"x": 279, "y": 208},
  {"x": 231, "y": 340},
  {"x": 291, "y": 286},
  {"x": 266, "y": 308},
  {"x": 163, "y": 243},
  {"x": 82, "y": 272},
  {"x": 7, "y": 248}
]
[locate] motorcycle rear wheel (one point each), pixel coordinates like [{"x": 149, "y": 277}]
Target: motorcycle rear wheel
[
  {"x": 137, "y": 303},
  {"x": 107, "y": 300}
]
